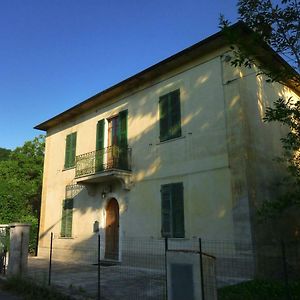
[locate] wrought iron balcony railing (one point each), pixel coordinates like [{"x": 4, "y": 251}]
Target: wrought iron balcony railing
[{"x": 113, "y": 157}]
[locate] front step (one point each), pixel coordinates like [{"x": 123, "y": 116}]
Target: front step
[{"x": 109, "y": 262}]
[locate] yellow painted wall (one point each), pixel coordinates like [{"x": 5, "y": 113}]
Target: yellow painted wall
[{"x": 222, "y": 158}]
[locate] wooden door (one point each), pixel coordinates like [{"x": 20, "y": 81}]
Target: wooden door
[
  {"x": 112, "y": 230},
  {"x": 113, "y": 129}
]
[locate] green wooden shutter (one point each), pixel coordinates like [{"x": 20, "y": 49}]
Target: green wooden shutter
[
  {"x": 68, "y": 151},
  {"x": 175, "y": 114},
  {"x": 166, "y": 226},
  {"x": 170, "y": 116},
  {"x": 122, "y": 130},
  {"x": 99, "y": 146},
  {"x": 100, "y": 135},
  {"x": 163, "y": 118},
  {"x": 63, "y": 221},
  {"x": 122, "y": 157},
  {"x": 73, "y": 149},
  {"x": 67, "y": 218},
  {"x": 177, "y": 210}
]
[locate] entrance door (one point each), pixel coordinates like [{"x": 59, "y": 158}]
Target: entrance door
[
  {"x": 112, "y": 150},
  {"x": 112, "y": 230}
]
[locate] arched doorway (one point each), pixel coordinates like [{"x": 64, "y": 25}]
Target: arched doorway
[{"x": 112, "y": 230}]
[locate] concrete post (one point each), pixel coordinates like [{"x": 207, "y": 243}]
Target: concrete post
[{"x": 18, "y": 249}]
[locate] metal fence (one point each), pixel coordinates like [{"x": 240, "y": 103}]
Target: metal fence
[
  {"x": 112, "y": 157},
  {"x": 144, "y": 267}
]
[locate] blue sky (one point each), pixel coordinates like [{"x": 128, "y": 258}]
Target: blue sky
[{"x": 56, "y": 53}]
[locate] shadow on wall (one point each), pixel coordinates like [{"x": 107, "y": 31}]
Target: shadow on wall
[{"x": 204, "y": 137}]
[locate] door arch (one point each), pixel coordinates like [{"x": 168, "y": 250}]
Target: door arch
[{"x": 112, "y": 230}]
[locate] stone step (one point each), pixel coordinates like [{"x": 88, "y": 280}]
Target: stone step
[{"x": 109, "y": 262}]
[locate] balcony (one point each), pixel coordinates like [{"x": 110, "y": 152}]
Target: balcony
[{"x": 103, "y": 165}]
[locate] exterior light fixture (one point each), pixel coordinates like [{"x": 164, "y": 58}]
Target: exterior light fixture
[{"x": 106, "y": 190}]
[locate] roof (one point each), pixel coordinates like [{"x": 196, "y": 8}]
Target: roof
[{"x": 207, "y": 45}]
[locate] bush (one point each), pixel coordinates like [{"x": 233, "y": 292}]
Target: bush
[{"x": 260, "y": 290}]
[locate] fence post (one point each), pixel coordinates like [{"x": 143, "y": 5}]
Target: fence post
[
  {"x": 166, "y": 265},
  {"x": 98, "y": 266},
  {"x": 285, "y": 272},
  {"x": 201, "y": 269},
  {"x": 50, "y": 259}
]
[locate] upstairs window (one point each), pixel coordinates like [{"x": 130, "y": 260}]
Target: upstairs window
[
  {"x": 172, "y": 210},
  {"x": 70, "y": 150},
  {"x": 170, "y": 116},
  {"x": 117, "y": 131},
  {"x": 67, "y": 218},
  {"x": 116, "y": 153}
]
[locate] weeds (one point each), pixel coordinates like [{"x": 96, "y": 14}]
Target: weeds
[{"x": 31, "y": 290}]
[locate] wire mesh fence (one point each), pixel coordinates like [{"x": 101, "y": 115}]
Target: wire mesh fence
[{"x": 143, "y": 268}]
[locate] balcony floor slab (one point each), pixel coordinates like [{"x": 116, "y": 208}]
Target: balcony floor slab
[{"x": 107, "y": 176}]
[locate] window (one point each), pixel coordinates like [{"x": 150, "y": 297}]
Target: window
[
  {"x": 70, "y": 150},
  {"x": 66, "y": 219},
  {"x": 172, "y": 210},
  {"x": 117, "y": 131},
  {"x": 169, "y": 113},
  {"x": 116, "y": 152}
]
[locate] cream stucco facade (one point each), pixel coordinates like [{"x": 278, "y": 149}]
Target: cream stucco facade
[{"x": 224, "y": 158}]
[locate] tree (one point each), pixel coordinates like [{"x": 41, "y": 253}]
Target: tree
[
  {"x": 274, "y": 24},
  {"x": 21, "y": 185},
  {"x": 4, "y": 153}
]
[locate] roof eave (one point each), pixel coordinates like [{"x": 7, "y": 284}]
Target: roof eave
[
  {"x": 214, "y": 41},
  {"x": 188, "y": 54}
]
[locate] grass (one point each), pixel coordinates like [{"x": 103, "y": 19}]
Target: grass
[
  {"x": 29, "y": 290},
  {"x": 250, "y": 290},
  {"x": 259, "y": 290}
]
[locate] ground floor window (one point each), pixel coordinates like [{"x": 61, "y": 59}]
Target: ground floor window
[
  {"x": 66, "y": 219},
  {"x": 172, "y": 209}
]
